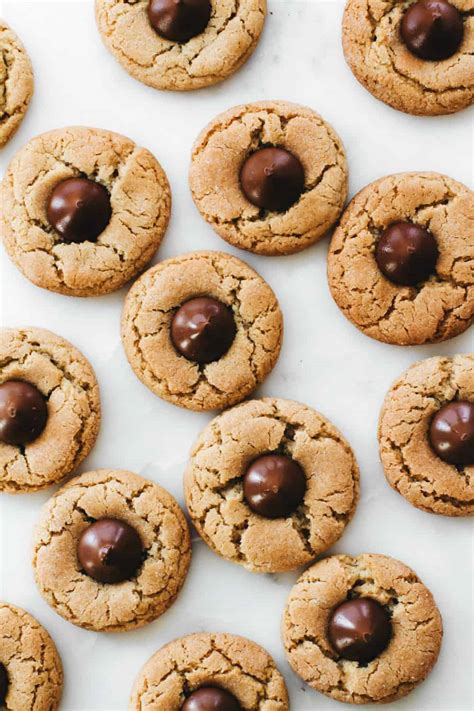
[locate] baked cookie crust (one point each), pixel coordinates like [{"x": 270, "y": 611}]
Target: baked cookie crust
[
  {"x": 66, "y": 379},
  {"x": 441, "y": 307},
  {"x": 411, "y": 466},
  {"x": 145, "y": 506},
  {"x": 16, "y": 82},
  {"x": 35, "y": 674},
  {"x": 214, "y": 486},
  {"x": 221, "y": 149},
  {"x": 416, "y": 628},
  {"x": 226, "y": 43},
  {"x": 149, "y": 309},
  {"x": 382, "y": 63},
  {"x": 140, "y": 200},
  {"x": 234, "y": 663}
]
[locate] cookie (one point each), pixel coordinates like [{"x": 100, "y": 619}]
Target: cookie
[
  {"x": 202, "y": 330},
  {"x": 271, "y": 484},
  {"x": 49, "y": 409},
  {"x": 31, "y": 674},
  {"x": 111, "y": 551},
  {"x": 416, "y": 56},
  {"x": 180, "y": 46},
  {"x": 183, "y": 674},
  {"x": 361, "y": 630},
  {"x": 401, "y": 262},
  {"x": 83, "y": 210},
  {"x": 426, "y": 435},
  {"x": 16, "y": 82},
  {"x": 269, "y": 177}
]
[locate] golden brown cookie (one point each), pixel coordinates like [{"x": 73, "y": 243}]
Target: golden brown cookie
[
  {"x": 64, "y": 383},
  {"x": 440, "y": 304},
  {"x": 380, "y": 59},
  {"x": 30, "y": 668},
  {"x": 149, "y": 314},
  {"x": 133, "y": 187},
  {"x": 202, "y": 660},
  {"x": 147, "y": 591},
  {"x": 407, "y": 607},
  {"x": 221, "y": 150},
  {"x": 249, "y": 507},
  {"x": 16, "y": 82},
  {"x": 412, "y": 465},
  {"x": 207, "y": 58}
]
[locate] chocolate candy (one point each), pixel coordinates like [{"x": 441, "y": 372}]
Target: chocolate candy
[
  {"x": 203, "y": 329},
  {"x": 432, "y": 29},
  {"x": 272, "y": 178},
  {"x": 211, "y": 698},
  {"x": 3, "y": 684},
  {"x": 79, "y": 209},
  {"x": 110, "y": 551},
  {"x": 23, "y": 412},
  {"x": 406, "y": 253},
  {"x": 452, "y": 432},
  {"x": 359, "y": 629},
  {"x": 274, "y": 486},
  {"x": 179, "y": 20}
]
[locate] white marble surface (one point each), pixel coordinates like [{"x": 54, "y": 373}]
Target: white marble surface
[{"x": 325, "y": 362}]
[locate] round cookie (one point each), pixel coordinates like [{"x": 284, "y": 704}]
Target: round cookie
[
  {"x": 232, "y": 495},
  {"x": 411, "y": 464},
  {"x": 31, "y": 665},
  {"x": 149, "y": 315},
  {"x": 429, "y": 308},
  {"x": 219, "y": 48},
  {"x": 413, "y": 620},
  {"x": 380, "y": 58},
  {"x": 227, "y": 662},
  {"x": 52, "y": 222},
  {"x": 217, "y": 177},
  {"x": 16, "y": 82},
  {"x": 140, "y": 596},
  {"x": 61, "y": 381}
]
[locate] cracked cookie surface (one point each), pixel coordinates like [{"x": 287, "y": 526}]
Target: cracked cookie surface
[
  {"x": 145, "y": 506},
  {"x": 234, "y": 663},
  {"x": 34, "y": 670},
  {"x": 381, "y": 62},
  {"x": 140, "y": 201},
  {"x": 415, "y": 620},
  {"x": 221, "y": 149},
  {"x": 148, "y": 312},
  {"x": 16, "y": 82},
  {"x": 214, "y": 484},
  {"x": 67, "y": 381},
  {"x": 411, "y": 466},
  {"x": 226, "y": 43},
  {"x": 437, "y": 309}
]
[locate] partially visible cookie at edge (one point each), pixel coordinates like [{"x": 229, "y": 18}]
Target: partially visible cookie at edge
[
  {"x": 16, "y": 82},
  {"x": 270, "y": 177}
]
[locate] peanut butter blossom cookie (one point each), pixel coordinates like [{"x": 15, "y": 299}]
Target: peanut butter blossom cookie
[
  {"x": 16, "y": 82},
  {"x": 111, "y": 551},
  {"x": 271, "y": 484},
  {"x": 180, "y": 44},
  {"x": 269, "y": 177},
  {"x": 210, "y": 672},
  {"x": 416, "y": 56},
  {"x": 202, "y": 330},
  {"x": 400, "y": 264},
  {"x": 361, "y": 630},
  {"x": 426, "y": 435},
  {"x": 83, "y": 210},
  {"x": 49, "y": 409},
  {"x": 31, "y": 675}
]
